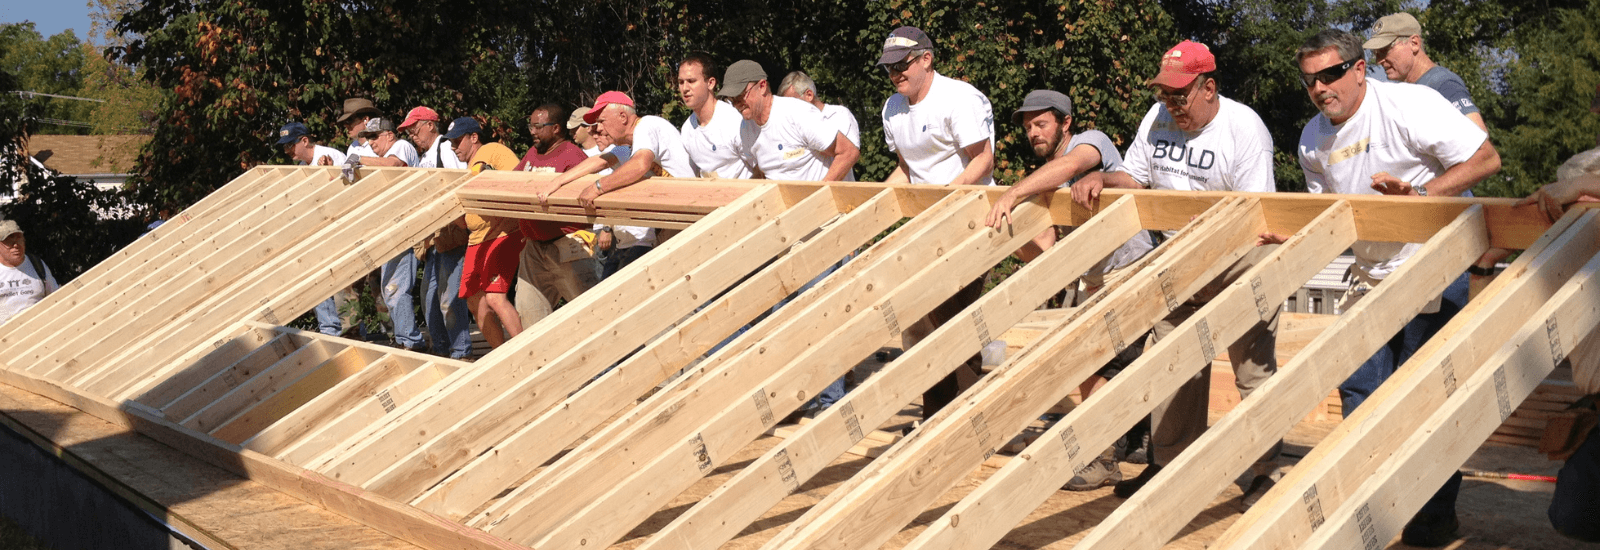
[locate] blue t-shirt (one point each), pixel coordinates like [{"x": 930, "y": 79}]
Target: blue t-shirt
[{"x": 1451, "y": 86}]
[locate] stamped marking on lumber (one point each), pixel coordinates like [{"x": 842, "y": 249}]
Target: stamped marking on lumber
[
  {"x": 366, "y": 259},
  {"x": 980, "y": 427},
  {"x": 1449, "y": 371},
  {"x": 887, "y": 309},
  {"x": 1114, "y": 332},
  {"x": 1208, "y": 348},
  {"x": 219, "y": 343},
  {"x": 1369, "y": 532},
  {"x": 386, "y": 400},
  {"x": 763, "y": 406},
  {"x": 283, "y": 346},
  {"x": 1167, "y": 293},
  {"x": 982, "y": 327},
  {"x": 786, "y": 470},
  {"x": 1313, "y": 508},
  {"x": 1502, "y": 395},
  {"x": 1553, "y": 333},
  {"x": 702, "y": 457},
  {"x": 1262, "y": 306},
  {"x": 1069, "y": 440},
  {"x": 851, "y": 423},
  {"x": 267, "y": 314}
]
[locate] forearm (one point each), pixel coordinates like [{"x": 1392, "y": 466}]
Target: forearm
[
  {"x": 981, "y": 166},
  {"x": 382, "y": 161},
  {"x": 1460, "y": 178},
  {"x": 842, "y": 162},
  {"x": 1120, "y": 180},
  {"x": 629, "y": 173},
  {"x": 899, "y": 175}
]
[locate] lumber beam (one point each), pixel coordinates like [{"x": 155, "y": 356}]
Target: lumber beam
[
  {"x": 250, "y": 391},
  {"x": 539, "y": 441},
  {"x": 465, "y": 394},
  {"x": 810, "y": 448},
  {"x": 985, "y": 516},
  {"x": 324, "y": 408},
  {"x": 1289, "y": 514},
  {"x": 582, "y": 359},
  {"x": 225, "y": 380},
  {"x": 292, "y": 394},
  {"x": 239, "y": 341},
  {"x": 364, "y": 413},
  {"x": 727, "y": 431},
  {"x": 1382, "y": 504},
  {"x": 869, "y": 508}
]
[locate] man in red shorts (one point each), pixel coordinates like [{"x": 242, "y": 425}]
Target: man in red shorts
[{"x": 495, "y": 243}]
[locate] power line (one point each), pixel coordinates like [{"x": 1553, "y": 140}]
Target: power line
[
  {"x": 31, "y": 95},
  {"x": 60, "y": 122}
]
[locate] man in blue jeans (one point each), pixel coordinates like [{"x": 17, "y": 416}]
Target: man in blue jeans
[{"x": 1396, "y": 139}]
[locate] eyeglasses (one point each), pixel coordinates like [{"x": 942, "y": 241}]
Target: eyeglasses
[
  {"x": 1180, "y": 99},
  {"x": 536, "y": 126},
  {"x": 903, "y": 64},
  {"x": 1328, "y": 75}
]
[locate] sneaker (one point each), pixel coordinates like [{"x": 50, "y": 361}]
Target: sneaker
[
  {"x": 1430, "y": 530},
  {"x": 1134, "y": 446},
  {"x": 1258, "y": 486},
  {"x": 1127, "y": 488},
  {"x": 1098, "y": 473}
]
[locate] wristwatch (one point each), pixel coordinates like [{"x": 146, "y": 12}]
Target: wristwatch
[
  {"x": 1420, "y": 189},
  {"x": 597, "y": 186}
]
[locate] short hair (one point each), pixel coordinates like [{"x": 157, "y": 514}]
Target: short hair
[
  {"x": 1346, "y": 44},
  {"x": 799, "y": 82},
  {"x": 1587, "y": 162},
  {"x": 557, "y": 114},
  {"x": 620, "y": 107},
  {"x": 708, "y": 67}
]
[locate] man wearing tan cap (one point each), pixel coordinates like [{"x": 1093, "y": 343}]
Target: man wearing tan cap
[
  {"x": 24, "y": 279},
  {"x": 1194, "y": 139},
  {"x": 1396, "y": 45}
]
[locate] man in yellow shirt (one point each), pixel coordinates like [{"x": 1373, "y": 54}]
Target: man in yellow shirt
[{"x": 495, "y": 243}]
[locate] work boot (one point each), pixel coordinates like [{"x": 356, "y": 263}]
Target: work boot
[
  {"x": 1134, "y": 447},
  {"x": 1429, "y": 530},
  {"x": 1100, "y": 472},
  {"x": 1127, "y": 488}
]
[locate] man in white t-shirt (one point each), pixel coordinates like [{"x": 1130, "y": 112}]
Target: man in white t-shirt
[
  {"x": 398, "y": 274},
  {"x": 295, "y": 139},
  {"x": 711, "y": 133},
  {"x": 798, "y": 85},
  {"x": 1396, "y": 139},
  {"x": 785, "y": 138},
  {"x": 357, "y": 111},
  {"x": 422, "y": 126},
  {"x": 387, "y": 148},
  {"x": 24, "y": 280},
  {"x": 1193, "y": 139},
  {"x": 615, "y": 246},
  {"x": 657, "y": 150},
  {"x": 940, "y": 129}
]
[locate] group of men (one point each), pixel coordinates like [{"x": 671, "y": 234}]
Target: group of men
[{"x": 1371, "y": 136}]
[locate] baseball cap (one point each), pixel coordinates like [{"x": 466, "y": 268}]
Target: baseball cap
[
  {"x": 9, "y": 228},
  {"x": 462, "y": 126},
  {"x": 576, "y": 120},
  {"x": 419, "y": 114},
  {"x": 738, "y": 75},
  {"x": 902, "y": 42},
  {"x": 292, "y": 131},
  {"x": 1039, "y": 100},
  {"x": 377, "y": 126},
  {"x": 605, "y": 99},
  {"x": 357, "y": 106},
  {"x": 1183, "y": 62},
  {"x": 1390, "y": 28}
]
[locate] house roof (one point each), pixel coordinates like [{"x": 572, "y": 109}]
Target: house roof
[{"x": 75, "y": 155}]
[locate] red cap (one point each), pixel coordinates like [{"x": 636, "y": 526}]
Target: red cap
[
  {"x": 1183, "y": 62},
  {"x": 419, "y": 114},
  {"x": 601, "y": 102}
]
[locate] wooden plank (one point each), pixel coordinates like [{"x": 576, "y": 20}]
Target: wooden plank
[
  {"x": 329, "y": 405},
  {"x": 264, "y": 383},
  {"x": 867, "y": 510},
  {"x": 986, "y": 515},
  {"x": 808, "y": 449},
  {"x": 242, "y": 340},
  {"x": 581, "y": 412},
  {"x": 770, "y": 344},
  {"x": 565, "y": 371},
  {"x": 515, "y": 362},
  {"x": 364, "y": 413},
  {"x": 224, "y": 380},
  {"x": 407, "y": 523},
  {"x": 1421, "y": 462},
  {"x": 413, "y": 358},
  {"x": 1352, "y": 451},
  {"x": 282, "y": 401},
  {"x": 572, "y": 218},
  {"x": 711, "y": 440},
  {"x": 304, "y": 276},
  {"x": 188, "y": 274}
]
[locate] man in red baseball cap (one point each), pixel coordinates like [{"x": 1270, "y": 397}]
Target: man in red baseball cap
[
  {"x": 1193, "y": 139},
  {"x": 422, "y": 126},
  {"x": 657, "y": 150}
]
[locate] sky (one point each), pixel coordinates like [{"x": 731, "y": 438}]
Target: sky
[{"x": 49, "y": 16}]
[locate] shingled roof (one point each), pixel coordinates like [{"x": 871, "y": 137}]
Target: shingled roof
[{"x": 78, "y": 155}]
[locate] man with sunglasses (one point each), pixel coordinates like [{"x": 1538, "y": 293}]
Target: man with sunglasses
[
  {"x": 942, "y": 133},
  {"x": 1396, "y": 139},
  {"x": 1193, "y": 139},
  {"x": 543, "y": 280},
  {"x": 711, "y": 134},
  {"x": 785, "y": 138}
]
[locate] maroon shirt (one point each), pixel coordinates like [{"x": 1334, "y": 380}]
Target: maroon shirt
[{"x": 560, "y": 159}]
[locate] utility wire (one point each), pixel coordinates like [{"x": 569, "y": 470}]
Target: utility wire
[{"x": 31, "y": 95}]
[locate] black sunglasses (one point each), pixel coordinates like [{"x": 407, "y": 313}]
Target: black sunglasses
[
  {"x": 1328, "y": 75},
  {"x": 903, "y": 64}
]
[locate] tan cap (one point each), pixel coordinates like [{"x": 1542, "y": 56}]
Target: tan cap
[
  {"x": 1390, "y": 28},
  {"x": 9, "y": 228},
  {"x": 576, "y": 120}
]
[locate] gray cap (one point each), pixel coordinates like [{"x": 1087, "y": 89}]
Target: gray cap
[
  {"x": 740, "y": 73},
  {"x": 9, "y": 228},
  {"x": 1039, "y": 100},
  {"x": 901, "y": 42},
  {"x": 378, "y": 126}
]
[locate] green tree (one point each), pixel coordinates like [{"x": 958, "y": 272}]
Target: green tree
[{"x": 50, "y": 66}]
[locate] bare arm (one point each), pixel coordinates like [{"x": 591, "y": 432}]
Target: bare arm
[
  {"x": 1554, "y": 198},
  {"x": 1477, "y": 118},
  {"x": 844, "y": 156},
  {"x": 901, "y": 173},
  {"x": 631, "y": 172},
  {"x": 1454, "y": 181},
  {"x": 1047, "y": 178},
  {"x": 1087, "y": 191},
  {"x": 383, "y": 161},
  {"x": 982, "y": 164}
]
